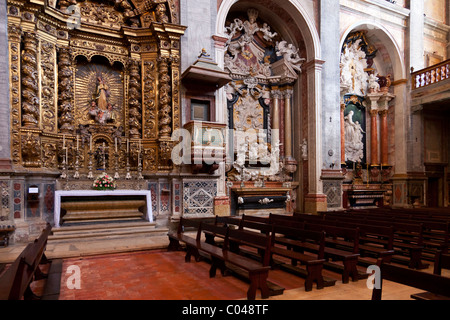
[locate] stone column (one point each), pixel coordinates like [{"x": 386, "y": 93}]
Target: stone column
[
  {"x": 331, "y": 98},
  {"x": 315, "y": 200},
  {"x": 383, "y": 137},
  {"x": 342, "y": 134},
  {"x": 275, "y": 116},
  {"x": 374, "y": 137},
  {"x": 374, "y": 98},
  {"x": 5, "y": 150},
  {"x": 288, "y": 124},
  {"x": 416, "y": 35},
  {"x": 400, "y": 177}
]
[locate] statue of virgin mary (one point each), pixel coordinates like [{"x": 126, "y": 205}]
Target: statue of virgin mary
[{"x": 101, "y": 109}]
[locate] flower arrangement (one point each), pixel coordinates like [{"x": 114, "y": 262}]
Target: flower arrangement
[{"x": 104, "y": 182}]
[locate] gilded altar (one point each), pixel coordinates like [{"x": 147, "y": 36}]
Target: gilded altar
[{"x": 93, "y": 83}]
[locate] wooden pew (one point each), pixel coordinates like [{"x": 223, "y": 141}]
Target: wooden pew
[
  {"x": 407, "y": 240},
  {"x": 437, "y": 286},
  {"x": 436, "y": 230},
  {"x": 221, "y": 257},
  {"x": 336, "y": 251},
  {"x": 441, "y": 261},
  {"x": 191, "y": 243},
  {"x": 15, "y": 282},
  {"x": 259, "y": 219},
  {"x": 5, "y": 232},
  {"x": 298, "y": 240}
]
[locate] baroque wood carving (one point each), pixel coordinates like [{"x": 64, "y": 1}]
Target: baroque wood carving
[
  {"x": 65, "y": 91},
  {"x": 90, "y": 75},
  {"x": 30, "y": 87}
]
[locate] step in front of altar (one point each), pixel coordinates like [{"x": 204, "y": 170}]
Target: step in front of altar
[{"x": 105, "y": 231}]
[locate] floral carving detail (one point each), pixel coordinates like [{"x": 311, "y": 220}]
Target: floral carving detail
[{"x": 65, "y": 91}]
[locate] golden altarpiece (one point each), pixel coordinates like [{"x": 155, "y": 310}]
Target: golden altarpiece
[{"x": 94, "y": 86}]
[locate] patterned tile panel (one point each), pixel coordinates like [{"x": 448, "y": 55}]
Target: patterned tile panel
[{"x": 198, "y": 197}]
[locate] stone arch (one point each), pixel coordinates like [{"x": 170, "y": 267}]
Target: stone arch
[
  {"x": 385, "y": 42},
  {"x": 299, "y": 15}
]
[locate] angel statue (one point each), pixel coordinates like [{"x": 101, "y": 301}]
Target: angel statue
[{"x": 290, "y": 55}]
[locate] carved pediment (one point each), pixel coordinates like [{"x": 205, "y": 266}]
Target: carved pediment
[{"x": 116, "y": 13}]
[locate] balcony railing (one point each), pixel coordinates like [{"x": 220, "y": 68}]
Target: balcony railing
[{"x": 431, "y": 75}]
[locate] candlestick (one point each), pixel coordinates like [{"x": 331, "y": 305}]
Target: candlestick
[
  {"x": 64, "y": 141},
  {"x": 64, "y": 167},
  {"x": 104, "y": 158},
  {"x": 115, "y": 143},
  {"x": 116, "y": 174},
  {"x": 77, "y": 142},
  {"x": 90, "y": 143},
  {"x": 76, "y": 175},
  {"x": 128, "y": 146},
  {"x": 90, "y": 174}
]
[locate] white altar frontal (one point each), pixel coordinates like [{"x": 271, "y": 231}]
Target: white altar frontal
[{"x": 94, "y": 193}]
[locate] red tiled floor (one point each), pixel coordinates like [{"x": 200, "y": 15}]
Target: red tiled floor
[{"x": 157, "y": 275}]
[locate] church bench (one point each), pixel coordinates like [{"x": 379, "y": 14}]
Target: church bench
[
  {"x": 407, "y": 241},
  {"x": 252, "y": 225},
  {"x": 221, "y": 257},
  {"x": 5, "y": 232},
  {"x": 259, "y": 219},
  {"x": 365, "y": 248},
  {"x": 287, "y": 222},
  {"x": 16, "y": 280},
  {"x": 295, "y": 217},
  {"x": 334, "y": 238},
  {"x": 292, "y": 242},
  {"x": 436, "y": 286},
  {"x": 441, "y": 261},
  {"x": 368, "y": 241},
  {"x": 179, "y": 236},
  {"x": 53, "y": 282}
]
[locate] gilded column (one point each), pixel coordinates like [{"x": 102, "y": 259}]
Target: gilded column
[
  {"x": 176, "y": 123},
  {"x": 14, "y": 39},
  {"x": 165, "y": 114},
  {"x": 165, "y": 98},
  {"x": 30, "y": 86},
  {"x": 135, "y": 98},
  {"x": 374, "y": 137}
]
